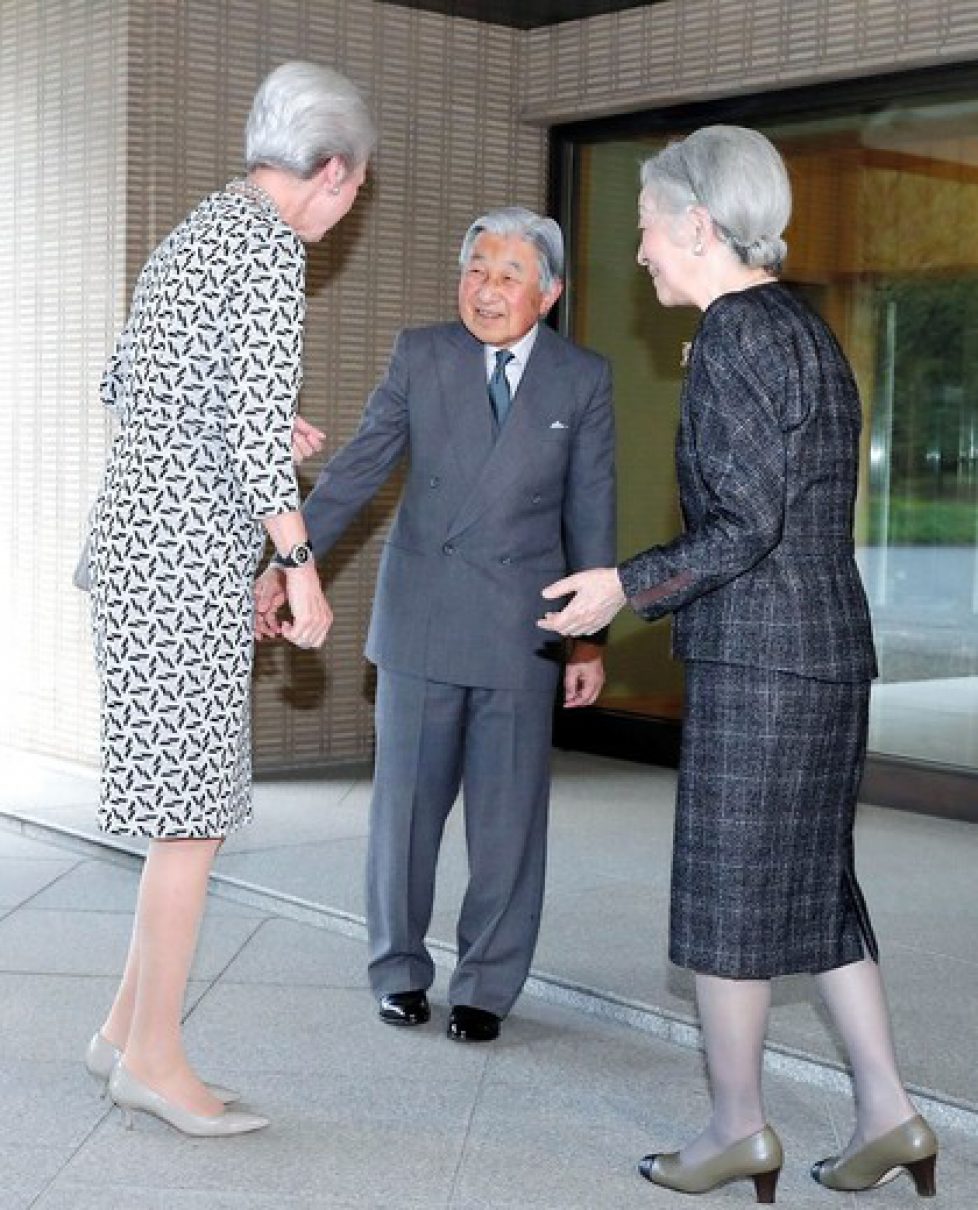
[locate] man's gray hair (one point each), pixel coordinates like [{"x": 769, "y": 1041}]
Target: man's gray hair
[
  {"x": 304, "y": 115},
  {"x": 739, "y": 177},
  {"x": 543, "y": 233}
]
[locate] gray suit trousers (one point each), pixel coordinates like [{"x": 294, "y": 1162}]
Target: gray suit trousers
[{"x": 494, "y": 744}]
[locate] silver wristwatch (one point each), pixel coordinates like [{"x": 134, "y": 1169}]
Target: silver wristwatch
[{"x": 298, "y": 556}]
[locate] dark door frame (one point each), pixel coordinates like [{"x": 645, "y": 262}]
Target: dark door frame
[{"x": 890, "y": 781}]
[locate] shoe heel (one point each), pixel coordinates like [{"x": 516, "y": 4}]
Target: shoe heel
[
  {"x": 764, "y": 1186},
  {"x": 924, "y": 1175}
]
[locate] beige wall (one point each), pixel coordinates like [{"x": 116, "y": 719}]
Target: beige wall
[
  {"x": 444, "y": 96},
  {"x": 62, "y": 274},
  {"x": 116, "y": 115},
  {"x": 685, "y": 50},
  {"x": 181, "y": 73}
]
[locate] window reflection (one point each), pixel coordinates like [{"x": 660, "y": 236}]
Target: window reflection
[{"x": 884, "y": 243}]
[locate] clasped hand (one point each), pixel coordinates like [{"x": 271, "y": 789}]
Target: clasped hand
[
  {"x": 306, "y": 440},
  {"x": 596, "y": 596},
  {"x": 300, "y": 589}
]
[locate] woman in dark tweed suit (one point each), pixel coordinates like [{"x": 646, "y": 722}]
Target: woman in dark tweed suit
[{"x": 772, "y": 622}]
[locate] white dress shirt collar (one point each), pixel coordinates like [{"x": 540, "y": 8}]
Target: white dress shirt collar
[{"x": 521, "y": 351}]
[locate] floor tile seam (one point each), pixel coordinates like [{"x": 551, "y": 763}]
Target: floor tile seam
[
  {"x": 212, "y": 982},
  {"x": 349, "y": 790},
  {"x": 101, "y": 848},
  {"x": 78, "y": 910},
  {"x": 258, "y": 850},
  {"x": 780, "y": 1059},
  {"x": 48, "y": 974},
  {"x": 931, "y": 954},
  {"x": 74, "y": 1152},
  {"x": 829, "y": 1108},
  {"x": 672, "y": 1027},
  {"x": 298, "y": 985},
  {"x": 466, "y": 1134},
  {"x": 104, "y": 849},
  {"x": 27, "y": 860}
]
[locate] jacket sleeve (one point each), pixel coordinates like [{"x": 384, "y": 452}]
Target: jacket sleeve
[
  {"x": 739, "y": 457},
  {"x": 590, "y": 500},
  {"x": 265, "y": 306},
  {"x": 355, "y": 472},
  {"x": 589, "y": 494}
]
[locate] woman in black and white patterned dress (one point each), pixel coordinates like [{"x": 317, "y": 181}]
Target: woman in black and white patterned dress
[{"x": 204, "y": 383}]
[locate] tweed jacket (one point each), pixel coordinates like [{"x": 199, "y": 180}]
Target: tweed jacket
[
  {"x": 767, "y": 457},
  {"x": 487, "y": 518}
]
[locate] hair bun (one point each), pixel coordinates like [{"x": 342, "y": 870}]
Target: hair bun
[{"x": 766, "y": 252}]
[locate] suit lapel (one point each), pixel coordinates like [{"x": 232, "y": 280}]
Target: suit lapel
[
  {"x": 506, "y": 455},
  {"x": 465, "y": 407}
]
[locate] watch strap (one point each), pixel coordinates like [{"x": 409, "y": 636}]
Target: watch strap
[{"x": 298, "y": 556}]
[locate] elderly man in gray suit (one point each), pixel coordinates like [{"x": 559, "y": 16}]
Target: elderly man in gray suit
[{"x": 508, "y": 429}]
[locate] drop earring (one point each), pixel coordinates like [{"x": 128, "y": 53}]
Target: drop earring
[{"x": 698, "y": 248}]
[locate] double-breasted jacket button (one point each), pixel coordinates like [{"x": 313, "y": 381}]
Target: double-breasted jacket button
[
  {"x": 448, "y": 548},
  {"x": 434, "y": 481}
]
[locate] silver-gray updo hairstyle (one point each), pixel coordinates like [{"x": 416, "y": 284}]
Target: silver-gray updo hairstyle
[
  {"x": 302, "y": 116},
  {"x": 739, "y": 177}
]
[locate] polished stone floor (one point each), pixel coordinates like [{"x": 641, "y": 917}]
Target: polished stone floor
[{"x": 552, "y": 1115}]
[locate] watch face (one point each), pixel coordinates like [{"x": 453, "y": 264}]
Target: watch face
[{"x": 301, "y": 554}]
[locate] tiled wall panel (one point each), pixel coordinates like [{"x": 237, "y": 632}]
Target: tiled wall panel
[
  {"x": 117, "y": 115},
  {"x": 686, "y": 50},
  {"x": 62, "y": 194}
]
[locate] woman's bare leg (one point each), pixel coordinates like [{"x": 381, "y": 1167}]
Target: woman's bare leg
[
  {"x": 172, "y": 894},
  {"x": 117, "y": 1023}
]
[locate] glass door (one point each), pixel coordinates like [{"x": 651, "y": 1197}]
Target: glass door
[{"x": 884, "y": 244}]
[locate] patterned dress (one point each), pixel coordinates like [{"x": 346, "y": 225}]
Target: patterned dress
[{"x": 204, "y": 381}]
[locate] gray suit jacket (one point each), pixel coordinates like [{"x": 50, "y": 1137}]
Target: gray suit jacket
[
  {"x": 767, "y": 459},
  {"x": 485, "y": 521}
]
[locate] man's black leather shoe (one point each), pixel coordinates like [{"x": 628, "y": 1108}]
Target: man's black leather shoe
[
  {"x": 472, "y": 1024},
  {"x": 404, "y": 1008}
]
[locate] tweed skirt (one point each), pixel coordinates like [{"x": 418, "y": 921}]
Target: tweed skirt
[{"x": 763, "y": 880}]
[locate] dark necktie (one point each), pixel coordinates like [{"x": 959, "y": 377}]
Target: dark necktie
[{"x": 499, "y": 387}]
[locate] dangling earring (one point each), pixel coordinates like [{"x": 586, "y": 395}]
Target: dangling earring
[{"x": 698, "y": 248}]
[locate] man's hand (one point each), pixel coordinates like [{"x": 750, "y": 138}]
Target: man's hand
[
  {"x": 583, "y": 675},
  {"x": 311, "y": 614},
  {"x": 269, "y": 598},
  {"x": 306, "y": 440},
  {"x": 597, "y": 597}
]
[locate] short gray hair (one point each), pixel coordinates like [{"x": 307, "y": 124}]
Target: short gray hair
[
  {"x": 739, "y": 177},
  {"x": 302, "y": 116},
  {"x": 543, "y": 233}
]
